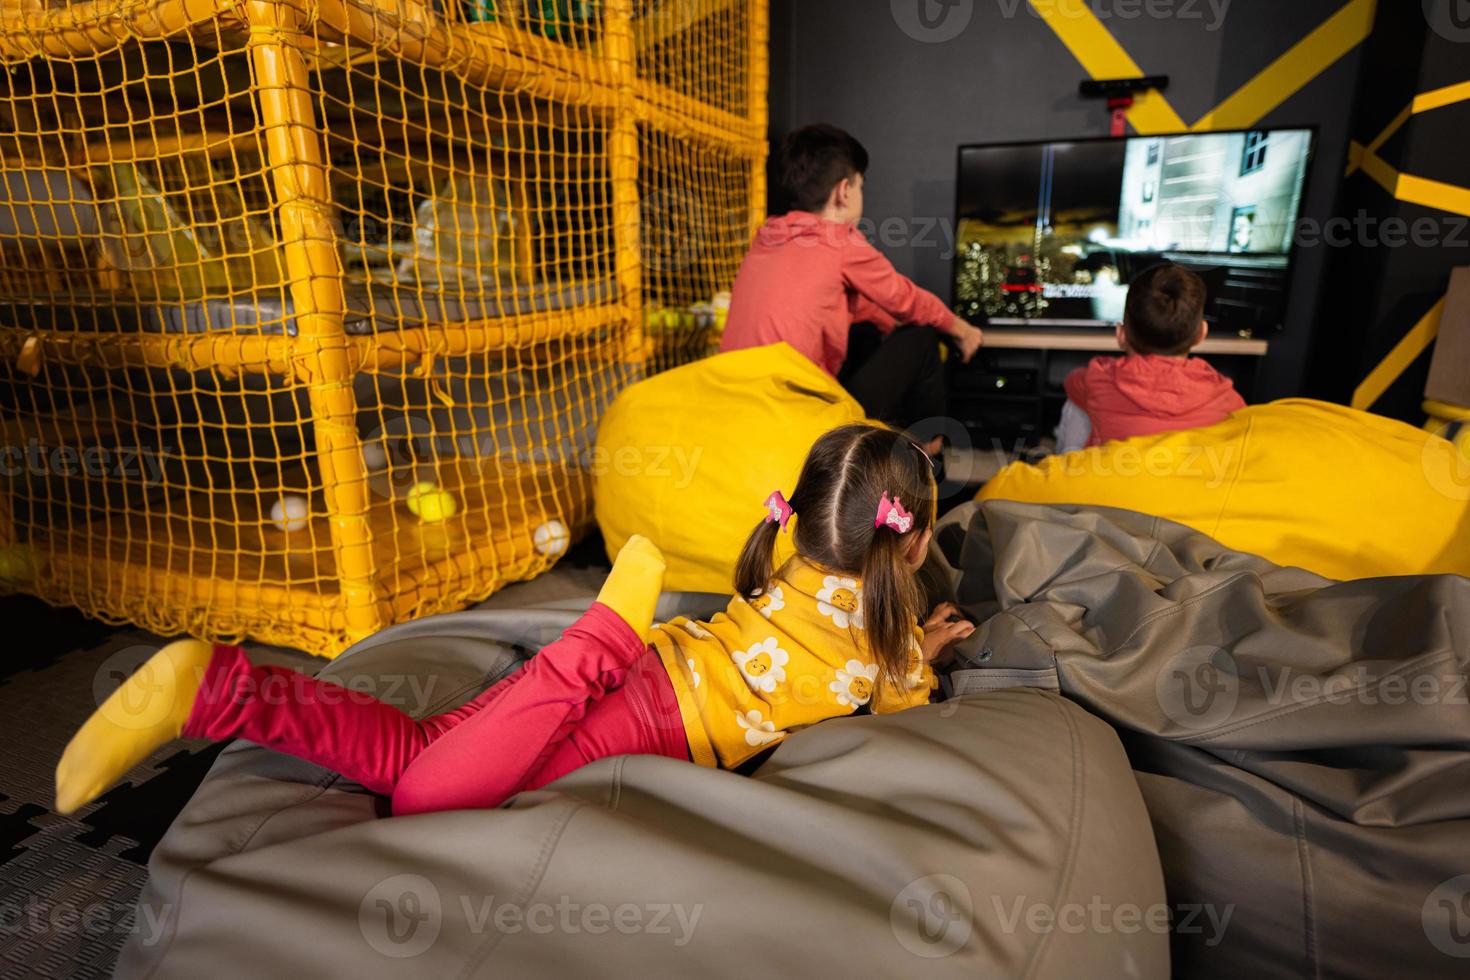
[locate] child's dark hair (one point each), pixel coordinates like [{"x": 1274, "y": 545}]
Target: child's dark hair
[
  {"x": 836, "y": 501},
  {"x": 815, "y": 159},
  {"x": 1165, "y": 307}
]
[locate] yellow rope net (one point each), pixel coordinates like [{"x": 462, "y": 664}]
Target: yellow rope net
[{"x": 309, "y": 308}]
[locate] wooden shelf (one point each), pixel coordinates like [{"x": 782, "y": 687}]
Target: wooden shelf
[{"x": 1104, "y": 342}]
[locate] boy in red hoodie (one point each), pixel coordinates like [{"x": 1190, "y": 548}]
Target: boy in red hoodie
[
  {"x": 1156, "y": 387},
  {"x": 811, "y": 275}
]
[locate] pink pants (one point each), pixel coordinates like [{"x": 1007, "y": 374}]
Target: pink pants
[{"x": 598, "y": 691}]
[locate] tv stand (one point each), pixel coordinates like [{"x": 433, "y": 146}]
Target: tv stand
[
  {"x": 1104, "y": 341},
  {"x": 1010, "y": 396}
]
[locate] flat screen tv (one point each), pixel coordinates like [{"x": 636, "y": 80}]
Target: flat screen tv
[{"x": 1050, "y": 234}]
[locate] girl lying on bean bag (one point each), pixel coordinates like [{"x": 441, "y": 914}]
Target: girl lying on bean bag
[{"x": 830, "y": 633}]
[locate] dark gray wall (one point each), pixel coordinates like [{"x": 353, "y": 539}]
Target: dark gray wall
[{"x": 1007, "y": 76}]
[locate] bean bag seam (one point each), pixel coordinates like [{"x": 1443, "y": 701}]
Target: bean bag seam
[
  {"x": 615, "y": 790},
  {"x": 1314, "y": 702},
  {"x": 1010, "y": 614},
  {"x": 1245, "y": 439},
  {"x": 1074, "y": 830},
  {"x": 1174, "y": 610},
  {"x": 234, "y": 851},
  {"x": 530, "y": 887},
  {"x": 1304, "y": 865}
]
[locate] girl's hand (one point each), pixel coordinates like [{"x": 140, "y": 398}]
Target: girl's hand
[{"x": 940, "y": 633}]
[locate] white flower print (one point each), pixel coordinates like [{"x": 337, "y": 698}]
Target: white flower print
[
  {"x": 915, "y": 675},
  {"x": 854, "y": 683},
  {"x": 763, "y": 666},
  {"x": 693, "y": 672},
  {"x": 769, "y": 601},
  {"x": 841, "y": 600},
  {"x": 695, "y": 630},
  {"x": 758, "y": 731}
]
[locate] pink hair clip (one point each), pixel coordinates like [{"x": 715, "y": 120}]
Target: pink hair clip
[
  {"x": 891, "y": 514},
  {"x": 778, "y": 508}
]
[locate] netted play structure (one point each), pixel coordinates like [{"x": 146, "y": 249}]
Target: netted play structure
[{"x": 309, "y": 308}]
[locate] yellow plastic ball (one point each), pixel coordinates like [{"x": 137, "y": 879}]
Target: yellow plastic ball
[{"x": 430, "y": 504}]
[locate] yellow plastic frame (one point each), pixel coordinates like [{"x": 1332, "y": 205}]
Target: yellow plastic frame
[{"x": 323, "y": 357}]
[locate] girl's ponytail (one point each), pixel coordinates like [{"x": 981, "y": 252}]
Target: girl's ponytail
[
  {"x": 866, "y": 494},
  {"x": 891, "y": 604},
  {"x": 753, "y": 570}
]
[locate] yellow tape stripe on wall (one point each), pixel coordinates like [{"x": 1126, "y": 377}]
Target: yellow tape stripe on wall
[
  {"x": 1441, "y": 97},
  {"x": 1434, "y": 194},
  {"x": 1405, "y": 353},
  {"x": 1412, "y": 190},
  {"x": 1375, "y": 167},
  {"x": 1100, "y": 54},
  {"x": 1357, "y": 152},
  {"x": 1424, "y": 102},
  {"x": 1407, "y": 187},
  {"x": 1289, "y": 74}
]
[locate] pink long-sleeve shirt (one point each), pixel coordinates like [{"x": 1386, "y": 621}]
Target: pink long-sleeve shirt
[{"x": 806, "y": 281}]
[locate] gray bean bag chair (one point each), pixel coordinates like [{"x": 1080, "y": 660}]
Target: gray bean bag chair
[
  {"x": 997, "y": 835},
  {"x": 1303, "y": 745}
]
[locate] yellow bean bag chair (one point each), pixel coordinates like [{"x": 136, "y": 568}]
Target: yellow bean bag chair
[
  {"x": 689, "y": 456},
  {"x": 1339, "y": 492}
]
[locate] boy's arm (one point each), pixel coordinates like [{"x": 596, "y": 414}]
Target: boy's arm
[
  {"x": 1074, "y": 430},
  {"x": 876, "y": 285},
  {"x": 1076, "y": 387},
  {"x": 864, "y": 310}
]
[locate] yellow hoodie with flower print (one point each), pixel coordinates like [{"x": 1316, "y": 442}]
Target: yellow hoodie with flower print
[{"x": 791, "y": 657}]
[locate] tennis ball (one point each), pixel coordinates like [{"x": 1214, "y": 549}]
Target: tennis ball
[
  {"x": 290, "y": 513},
  {"x": 430, "y": 504},
  {"x": 551, "y": 538}
]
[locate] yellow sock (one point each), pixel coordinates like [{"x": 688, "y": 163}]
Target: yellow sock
[
  {"x": 148, "y": 711},
  {"x": 633, "y": 585}
]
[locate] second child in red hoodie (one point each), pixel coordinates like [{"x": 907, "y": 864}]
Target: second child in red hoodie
[{"x": 1156, "y": 387}]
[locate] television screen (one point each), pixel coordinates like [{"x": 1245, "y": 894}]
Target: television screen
[{"x": 1052, "y": 233}]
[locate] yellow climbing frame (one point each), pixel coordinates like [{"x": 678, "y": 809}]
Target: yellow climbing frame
[{"x": 309, "y": 308}]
